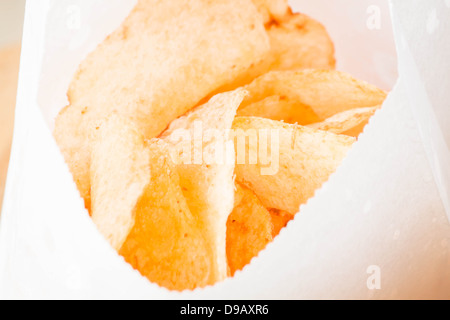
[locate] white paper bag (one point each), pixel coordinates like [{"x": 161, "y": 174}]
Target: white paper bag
[
  {"x": 377, "y": 229},
  {"x": 424, "y": 50}
]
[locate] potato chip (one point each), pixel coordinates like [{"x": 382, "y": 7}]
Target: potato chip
[
  {"x": 300, "y": 42},
  {"x": 120, "y": 170},
  {"x": 308, "y": 95},
  {"x": 164, "y": 59},
  {"x": 167, "y": 243},
  {"x": 280, "y": 220},
  {"x": 281, "y": 109},
  {"x": 285, "y": 164},
  {"x": 297, "y": 42},
  {"x": 249, "y": 229},
  {"x": 349, "y": 123},
  {"x": 139, "y": 207},
  {"x": 201, "y": 141}
]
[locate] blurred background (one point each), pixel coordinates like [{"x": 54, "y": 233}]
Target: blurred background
[{"x": 11, "y": 22}]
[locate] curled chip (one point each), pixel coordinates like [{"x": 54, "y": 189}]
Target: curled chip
[
  {"x": 249, "y": 229},
  {"x": 167, "y": 243},
  {"x": 165, "y": 58},
  {"x": 205, "y": 153},
  {"x": 307, "y": 96},
  {"x": 285, "y": 164},
  {"x": 280, "y": 108},
  {"x": 296, "y": 42},
  {"x": 350, "y": 123}
]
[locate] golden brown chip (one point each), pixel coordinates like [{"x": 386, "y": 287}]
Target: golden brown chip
[
  {"x": 207, "y": 166},
  {"x": 120, "y": 170},
  {"x": 285, "y": 164},
  {"x": 165, "y": 58},
  {"x": 349, "y": 123},
  {"x": 297, "y": 42},
  {"x": 280, "y": 220},
  {"x": 167, "y": 243},
  {"x": 300, "y": 42},
  {"x": 307, "y": 95},
  {"x": 280, "y": 108},
  {"x": 249, "y": 229},
  {"x": 138, "y": 205}
]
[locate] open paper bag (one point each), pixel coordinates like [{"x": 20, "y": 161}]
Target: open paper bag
[{"x": 382, "y": 214}]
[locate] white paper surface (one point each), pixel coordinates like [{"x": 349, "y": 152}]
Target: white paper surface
[
  {"x": 425, "y": 59},
  {"x": 381, "y": 210}
]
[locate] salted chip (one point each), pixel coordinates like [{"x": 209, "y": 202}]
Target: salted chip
[
  {"x": 280, "y": 220},
  {"x": 249, "y": 229},
  {"x": 120, "y": 171},
  {"x": 167, "y": 243},
  {"x": 308, "y": 96},
  {"x": 272, "y": 9},
  {"x": 350, "y": 123},
  {"x": 202, "y": 143},
  {"x": 139, "y": 207},
  {"x": 296, "y": 42},
  {"x": 164, "y": 59},
  {"x": 285, "y": 164}
]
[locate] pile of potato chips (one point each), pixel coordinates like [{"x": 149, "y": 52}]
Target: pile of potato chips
[{"x": 197, "y": 129}]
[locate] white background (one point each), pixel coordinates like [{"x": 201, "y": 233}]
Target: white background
[{"x": 11, "y": 20}]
